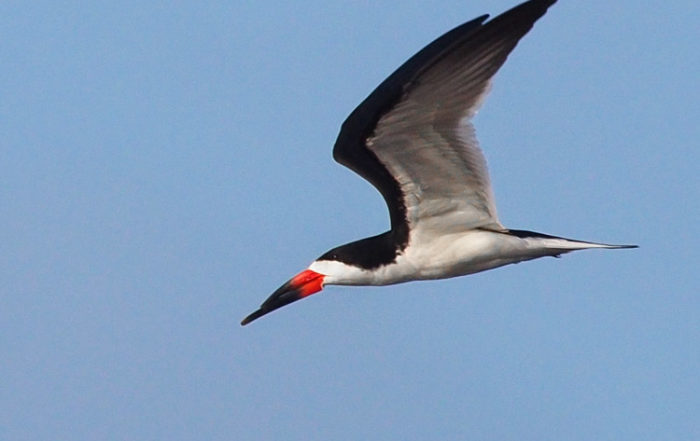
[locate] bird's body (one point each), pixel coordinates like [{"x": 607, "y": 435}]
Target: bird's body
[
  {"x": 440, "y": 256},
  {"x": 413, "y": 140}
]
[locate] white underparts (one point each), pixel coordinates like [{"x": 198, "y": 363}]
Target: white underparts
[{"x": 436, "y": 256}]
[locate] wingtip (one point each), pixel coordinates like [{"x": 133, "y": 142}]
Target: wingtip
[{"x": 618, "y": 247}]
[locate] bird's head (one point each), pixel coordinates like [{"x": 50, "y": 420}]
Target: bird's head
[{"x": 302, "y": 285}]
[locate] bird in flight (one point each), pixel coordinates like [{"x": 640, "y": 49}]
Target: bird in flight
[{"x": 413, "y": 140}]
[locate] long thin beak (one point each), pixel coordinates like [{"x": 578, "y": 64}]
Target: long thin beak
[{"x": 302, "y": 285}]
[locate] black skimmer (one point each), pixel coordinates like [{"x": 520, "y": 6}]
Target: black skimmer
[{"x": 413, "y": 140}]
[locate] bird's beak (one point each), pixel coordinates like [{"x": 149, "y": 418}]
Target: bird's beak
[{"x": 302, "y": 285}]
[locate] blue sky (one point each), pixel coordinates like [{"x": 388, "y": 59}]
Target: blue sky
[{"x": 166, "y": 166}]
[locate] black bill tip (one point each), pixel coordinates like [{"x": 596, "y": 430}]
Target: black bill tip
[
  {"x": 302, "y": 285},
  {"x": 256, "y": 315},
  {"x": 285, "y": 295}
]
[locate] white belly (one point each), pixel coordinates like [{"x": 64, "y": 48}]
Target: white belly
[
  {"x": 436, "y": 257},
  {"x": 464, "y": 253}
]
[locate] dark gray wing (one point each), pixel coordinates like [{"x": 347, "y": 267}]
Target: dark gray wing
[{"x": 412, "y": 139}]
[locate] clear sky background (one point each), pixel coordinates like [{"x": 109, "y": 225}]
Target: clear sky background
[{"x": 166, "y": 165}]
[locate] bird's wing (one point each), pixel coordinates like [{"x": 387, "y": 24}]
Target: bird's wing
[{"x": 412, "y": 138}]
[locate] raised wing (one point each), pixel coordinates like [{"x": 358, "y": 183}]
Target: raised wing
[{"x": 412, "y": 139}]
